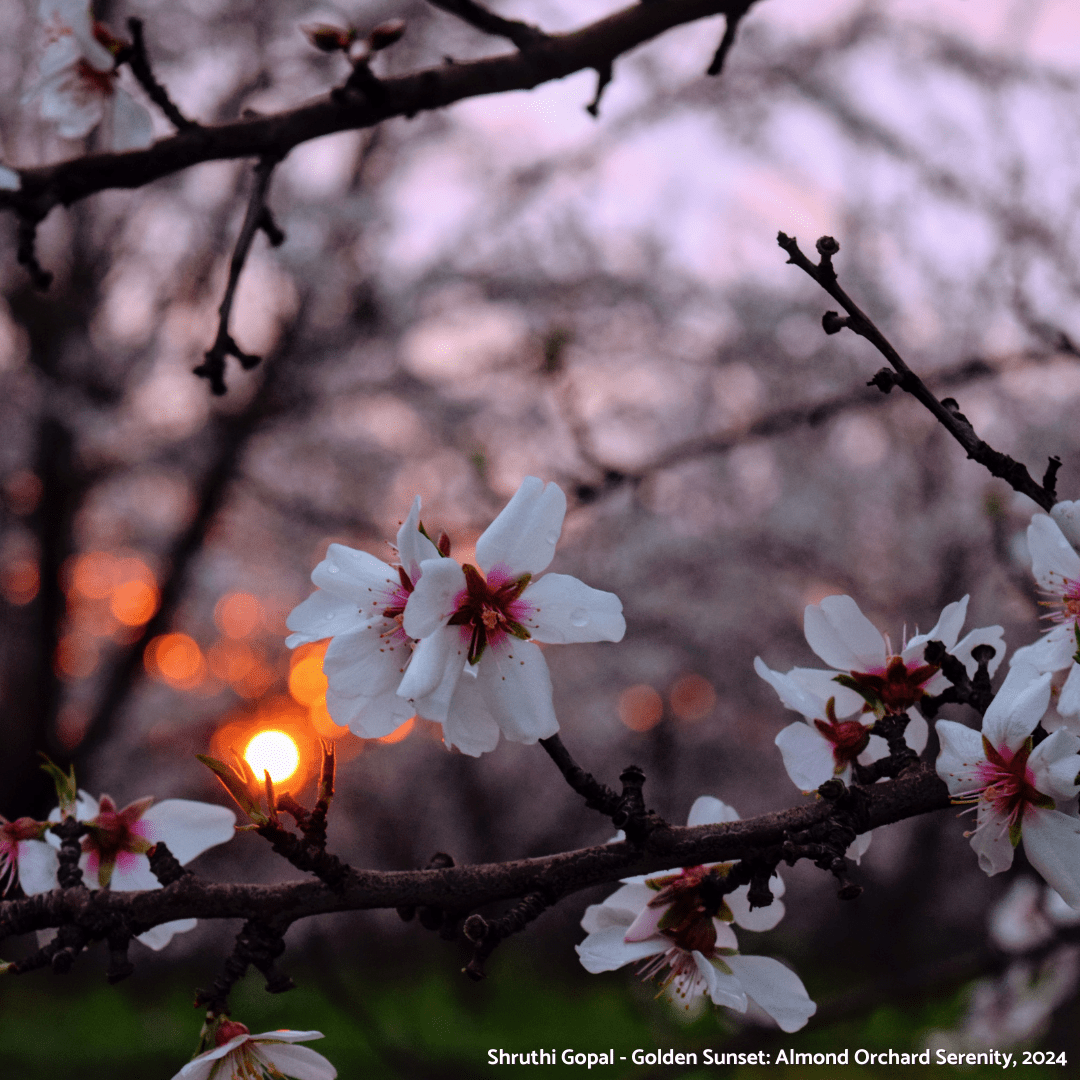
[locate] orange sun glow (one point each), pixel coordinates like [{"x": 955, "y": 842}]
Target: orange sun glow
[{"x": 273, "y": 752}]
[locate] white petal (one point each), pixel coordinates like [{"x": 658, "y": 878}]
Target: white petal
[
  {"x": 1066, "y": 516},
  {"x": 158, "y": 937},
  {"x": 1052, "y": 845},
  {"x": 993, "y": 636},
  {"x": 823, "y": 684},
  {"x": 10, "y": 180},
  {"x": 619, "y": 909},
  {"x": 991, "y": 841},
  {"x": 413, "y": 546},
  {"x": 646, "y": 925},
  {"x": 517, "y": 689},
  {"x": 1016, "y": 921},
  {"x": 188, "y": 827},
  {"x": 843, "y": 636},
  {"x": 777, "y": 989},
  {"x": 709, "y": 811},
  {"x": 356, "y": 576},
  {"x": 523, "y": 537},
  {"x": 433, "y": 600},
  {"x": 723, "y": 989},
  {"x": 365, "y": 662},
  {"x": 1053, "y": 560},
  {"x": 297, "y": 1062},
  {"x": 1052, "y": 652},
  {"x": 1068, "y": 703},
  {"x": 198, "y": 1069},
  {"x": 1017, "y": 707},
  {"x": 74, "y": 108},
  {"x": 757, "y": 919},
  {"x": 132, "y": 128},
  {"x": 38, "y": 865},
  {"x": 605, "y": 950},
  {"x": 808, "y": 757},
  {"x": 469, "y": 724},
  {"x": 857, "y": 848},
  {"x": 791, "y": 693},
  {"x": 436, "y": 659},
  {"x": 961, "y": 754},
  {"x": 1055, "y": 764},
  {"x": 917, "y": 731},
  {"x": 946, "y": 630},
  {"x": 134, "y": 875},
  {"x": 322, "y": 615},
  {"x": 369, "y": 718},
  {"x": 566, "y": 610},
  {"x": 286, "y": 1036}
]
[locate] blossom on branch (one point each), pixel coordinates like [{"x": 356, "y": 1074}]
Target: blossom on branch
[
  {"x": 1053, "y": 543},
  {"x": 1020, "y": 791},
  {"x": 841, "y": 706},
  {"x": 239, "y": 1055},
  {"x": 487, "y": 621},
  {"x": 77, "y": 82},
  {"x": 13, "y": 837},
  {"x": 677, "y": 926},
  {"x": 115, "y": 846},
  {"x": 360, "y": 604}
]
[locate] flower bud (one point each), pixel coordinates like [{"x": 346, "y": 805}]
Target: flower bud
[
  {"x": 327, "y": 38},
  {"x": 386, "y": 34}
]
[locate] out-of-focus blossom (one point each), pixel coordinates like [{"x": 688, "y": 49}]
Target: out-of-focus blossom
[
  {"x": 239, "y": 1055},
  {"x": 10, "y": 180},
  {"x": 1028, "y": 916},
  {"x": 1020, "y": 791},
  {"x": 77, "y": 83},
  {"x": 360, "y": 603},
  {"x": 677, "y": 925},
  {"x": 1053, "y": 542},
  {"x": 489, "y": 621},
  {"x": 114, "y": 850},
  {"x": 13, "y": 835}
]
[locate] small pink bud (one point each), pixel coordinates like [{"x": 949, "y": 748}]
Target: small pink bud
[
  {"x": 328, "y": 38},
  {"x": 385, "y": 34},
  {"x": 229, "y": 1030}
]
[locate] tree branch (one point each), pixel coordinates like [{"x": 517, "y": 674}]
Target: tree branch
[
  {"x": 139, "y": 61},
  {"x": 523, "y": 35}
]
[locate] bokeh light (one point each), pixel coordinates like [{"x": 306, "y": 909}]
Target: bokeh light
[
  {"x": 307, "y": 683},
  {"x": 692, "y": 697},
  {"x": 133, "y": 602},
  {"x": 176, "y": 659},
  {"x": 640, "y": 707},
  {"x": 273, "y": 752},
  {"x": 238, "y": 615},
  {"x": 19, "y": 581},
  {"x": 400, "y": 732}
]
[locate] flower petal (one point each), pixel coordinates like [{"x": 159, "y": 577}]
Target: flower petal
[
  {"x": 1053, "y": 560},
  {"x": 791, "y": 693},
  {"x": 566, "y": 610},
  {"x": 646, "y": 925},
  {"x": 297, "y": 1062},
  {"x": 1017, "y": 707},
  {"x": 159, "y": 936},
  {"x": 843, "y": 636},
  {"x": 365, "y": 662},
  {"x": 433, "y": 600},
  {"x": 723, "y": 989},
  {"x": 1052, "y": 652},
  {"x": 132, "y": 128},
  {"x": 824, "y": 685},
  {"x": 605, "y": 950},
  {"x": 946, "y": 630},
  {"x": 523, "y": 536},
  {"x": 1066, "y": 516},
  {"x": 369, "y": 718},
  {"x": 517, "y": 689},
  {"x": 38, "y": 866},
  {"x": 322, "y": 615},
  {"x": 412, "y": 545},
  {"x": 188, "y": 827},
  {"x": 777, "y": 989},
  {"x": 1068, "y": 702},
  {"x": 994, "y": 636},
  {"x": 1055, "y": 764},
  {"x": 991, "y": 842},
  {"x": 961, "y": 754},
  {"x": 356, "y": 576},
  {"x": 756, "y": 919},
  {"x": 1052, "y": 845},
  {"x": 435, "y": 660},
  {"x": 711, "y": 811},
  {"x": 808, "y": 757},
  {"x": 469, "y": 724}
]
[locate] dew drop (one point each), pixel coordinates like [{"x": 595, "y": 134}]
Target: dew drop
[
  {"x": 331, "y": 569},
  {"x": 579, "y": 617}
]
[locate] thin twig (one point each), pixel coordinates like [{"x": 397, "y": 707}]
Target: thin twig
[
  {"x": 731, "y": 28},
  {"x": 946, "y": 411},
  {"x": 256, "y": 218},
  {"x": 139, "y": 61},
  {"x": 523, "y": 35}
]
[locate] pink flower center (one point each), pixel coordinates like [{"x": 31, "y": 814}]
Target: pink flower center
[
  {"x": 229, "y": 1030},
  {"x": 1007, "y": 784},
  {"x": 849, "y": 738},
  {"x": 489, "y": 610},
  {"x": 1067, "y": 604},
  {"x": 97, "y": 82},
  {"x": 897, "y": 686},
  {"x": 693, "y": 898},
  {"x": 116, "y": 837}
]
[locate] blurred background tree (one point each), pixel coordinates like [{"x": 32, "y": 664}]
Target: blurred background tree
[{"x": 511, "y": 286}]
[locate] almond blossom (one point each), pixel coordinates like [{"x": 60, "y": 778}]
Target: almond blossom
[
  {"x": 239, "y": 1055},
  {"x": 114, "y": 850},
  {"x": 489, "y": 619},
  {"x": 1053, "y": 542},
  {"x": 360, "y": 604},
  {"x": 77, "y": 83},
  {"x": 13, "y": 837},
  {"x": 677, "y": 927},
  {"x": 1021, "y": 791}
]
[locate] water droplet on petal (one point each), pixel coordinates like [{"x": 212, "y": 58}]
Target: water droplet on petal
[
  {"x": 331, "y": 569},
  {"x": 579, "y": 617}
]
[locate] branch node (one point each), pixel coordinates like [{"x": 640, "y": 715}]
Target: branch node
[
  {"x": 603, "y": 77},
  {"x": 832, "y": 322},
  {"x": 731, "y": 26},
  {"x": 164, "y": 865}
]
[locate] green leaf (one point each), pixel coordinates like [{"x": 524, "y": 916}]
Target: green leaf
[{"x": 66, "y": 790}]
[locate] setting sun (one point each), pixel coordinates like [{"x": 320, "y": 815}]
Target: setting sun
[{"x": 273, "y": 752}]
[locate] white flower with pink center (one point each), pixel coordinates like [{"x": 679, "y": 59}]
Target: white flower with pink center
[
  {"x": 114, "y": 850},
  {"x": 77, "y": 83},
  {"x": 273, "y": 1055},
  {"x": 360, "y": 603},
  {"x": 1053, "y": 543},
  {"x": 676, "y": 926},
  {"x": 487, "y": 621},
  {"x": 14, "y": 836},
  {"x": 1021, "y": 791}
]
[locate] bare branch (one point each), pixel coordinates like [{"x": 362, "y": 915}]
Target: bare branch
[
  {"x": 734, "y": 17},
  {"x": 523, "y": 35},
  {"x": 139, "y": 61}
]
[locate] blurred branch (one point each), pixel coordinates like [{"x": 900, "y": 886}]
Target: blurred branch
[
  {"x": 139, "y": 61},
  {"x": 593, "y": 46},
  {"x": 946, "y": 411},
  {"x": 257, "y": 217},
  {"x": 523, "y": 35},
  {"x": 734, "y": 17}
]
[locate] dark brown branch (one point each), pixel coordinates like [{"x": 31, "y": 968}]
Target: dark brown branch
[
  {"x": 26, "y": 253},
  {"x": 731, "y": 28},
  {"x": 595, "y": 46},
  {"x": 946, "y": 411},
  {"x": 603, "y": 77},
  {"x": 256, "y": 218},
  {"x": 804, "y": 831},
  {"x": 139, "y": 61},
  {"x": 523, "y": 35}
]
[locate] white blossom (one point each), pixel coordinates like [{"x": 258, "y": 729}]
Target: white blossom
[{"x": 239, "y": 1055}]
